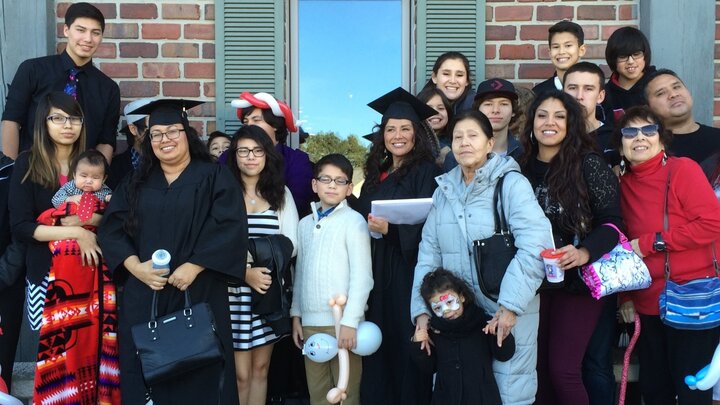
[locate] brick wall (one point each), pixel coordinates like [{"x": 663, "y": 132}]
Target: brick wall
[
  {"x": 158, "y": 49},
  {"x": 168, "y": 48},
  {"x": 517, "y": 32}
]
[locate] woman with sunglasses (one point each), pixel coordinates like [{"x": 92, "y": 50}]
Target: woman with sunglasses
[
  {"x": 63, "y": 283},
  {"x": 579, "y": 195},
  {"x": 258, "y": 167},
  {"x": 666, "y": 354}
]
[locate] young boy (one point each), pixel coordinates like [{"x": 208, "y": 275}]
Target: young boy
[
  {"x": 497, "y": 99},
  {"x": 628, "y": 55},
  {"x": 585, "y": 81},
  {"x": 567, "y": 45},
  {"x": 333, "y": 258},
  {"x": 89, "y": 171}
]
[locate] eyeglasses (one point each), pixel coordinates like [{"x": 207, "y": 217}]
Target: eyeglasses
[
  {"x": 340, "y": 181},
  {"x": 245, "y": 152},
  {"x": 632, "y": 132},
  {"x": 172, "y": 134},
  {"x": 61, "y": 119},
  {"x": 635, "y": 55}
]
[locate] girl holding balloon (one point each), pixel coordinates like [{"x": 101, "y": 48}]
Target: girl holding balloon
[{"x": 333, "y": 259}]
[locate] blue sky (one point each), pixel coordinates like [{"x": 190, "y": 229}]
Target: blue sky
[{"x": 350, "y": 54}]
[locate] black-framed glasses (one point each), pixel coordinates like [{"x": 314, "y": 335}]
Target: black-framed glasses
[
  {"x": 647, "y": 130},
  {"x": 61, "y": 119},
  {"x": 635, "y": 55},
  {"x": 172, "y": 134},
  {"x": 340, "y": 181},
  {"x": 245, "y": 152}
]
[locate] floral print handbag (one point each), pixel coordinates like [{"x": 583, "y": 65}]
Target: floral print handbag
[{"x": 619, "y": 270}]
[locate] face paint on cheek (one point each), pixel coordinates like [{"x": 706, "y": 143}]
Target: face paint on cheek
[{"x": 446, "y": 303}]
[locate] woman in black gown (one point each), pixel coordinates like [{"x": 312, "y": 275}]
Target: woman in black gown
[
  {"x": 400, "y": 165},
  {"x": 181, "y": 202}
]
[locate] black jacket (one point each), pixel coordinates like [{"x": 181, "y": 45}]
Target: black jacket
[{"x": 462, "y": 357}]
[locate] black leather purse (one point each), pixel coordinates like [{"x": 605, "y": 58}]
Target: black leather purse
[
  {"x": 494, "y": 254},
  {"x": 275, "y": 253},
  {"x": 177, "y": 343}
]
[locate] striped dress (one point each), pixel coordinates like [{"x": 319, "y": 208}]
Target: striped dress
[{"x": 249, "y": 329}]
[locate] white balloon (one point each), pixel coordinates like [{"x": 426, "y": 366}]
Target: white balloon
[
  {"x": 369, "y": 338},
  {"x": 708, "y": 376},
  {"x": 320, "y": 347}
]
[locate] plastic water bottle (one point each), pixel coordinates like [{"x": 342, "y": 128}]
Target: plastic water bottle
[{"x": 161, "y": 261}]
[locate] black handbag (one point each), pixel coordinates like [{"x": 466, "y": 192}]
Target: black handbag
[
  {"x": 177, "y": 343},
  {"x": 494, "y": 254},
  {"x": 275, "y": 253}
]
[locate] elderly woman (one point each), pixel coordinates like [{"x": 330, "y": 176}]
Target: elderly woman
[
  {"x": 666, "y": 354},
  {"x": 179, "y": 201},
  {"x": 399, "y": 166},
  {"x": 463, "y": 212}
]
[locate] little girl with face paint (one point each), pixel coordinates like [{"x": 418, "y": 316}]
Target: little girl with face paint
[{"x": 460, "y": 350}]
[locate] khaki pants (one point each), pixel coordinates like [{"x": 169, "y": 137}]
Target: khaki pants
[{"x": 322, "y": 377}]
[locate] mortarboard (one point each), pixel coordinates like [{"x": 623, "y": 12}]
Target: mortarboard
[
  {"x": 401, "y": 105},
  {"x": 133, "y": 118},
  {"x": 167, "y": 111}
]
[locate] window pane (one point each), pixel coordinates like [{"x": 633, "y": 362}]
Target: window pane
[{"x": 350, "y": 54}]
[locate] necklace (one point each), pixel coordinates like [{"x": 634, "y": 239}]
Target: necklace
[{"x": 253, "y": 201}]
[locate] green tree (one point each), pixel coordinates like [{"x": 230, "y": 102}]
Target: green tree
[{"x": 324, "y": 143}]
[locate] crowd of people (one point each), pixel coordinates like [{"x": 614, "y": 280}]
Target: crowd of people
[{"x": 564, "y": 166}]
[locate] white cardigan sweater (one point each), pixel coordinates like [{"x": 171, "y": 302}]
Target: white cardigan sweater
[{"x": 333, "y": 258}]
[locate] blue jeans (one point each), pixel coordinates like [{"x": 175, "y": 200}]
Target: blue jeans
[{"x": 597, "y": 367}]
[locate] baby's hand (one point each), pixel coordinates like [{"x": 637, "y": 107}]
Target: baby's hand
[
  {"x": 73, "y": 199},
  {"x": 108, "y": 197}
]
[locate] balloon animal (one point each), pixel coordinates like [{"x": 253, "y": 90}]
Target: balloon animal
[{"x": 708, "y": 376}]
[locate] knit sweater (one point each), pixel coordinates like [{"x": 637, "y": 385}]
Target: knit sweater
[
  {"x": 333, "y": 258},
  {"x": 693, "y": 216}
]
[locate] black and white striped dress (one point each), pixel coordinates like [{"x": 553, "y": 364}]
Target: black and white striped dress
[{"x": 249, "y": 329}]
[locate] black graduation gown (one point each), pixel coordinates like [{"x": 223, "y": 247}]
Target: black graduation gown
[
  {"x": 200, "y": 218},
  {"x": 390, "y": 376}
]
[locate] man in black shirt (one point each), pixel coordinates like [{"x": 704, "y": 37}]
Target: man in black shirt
[
  {"x": 671, "y": 101},
  {"x": 73, "y": 72}
]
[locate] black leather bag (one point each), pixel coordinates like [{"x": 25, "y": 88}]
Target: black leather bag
[
  {"x": 177, "y": 343},
  {"x": 275, "y": 253},
  {"x": 494, "y": 254}
]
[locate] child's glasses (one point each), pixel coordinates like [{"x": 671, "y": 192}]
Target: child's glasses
[{"x": 340, "y": 181}]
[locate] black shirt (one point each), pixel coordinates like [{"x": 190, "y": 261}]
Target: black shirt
[
  {"x": 697, "y": 145},
  {"x": 98, "y": 95},
  {"x": 618, "y": 99},
  {"x": 546, "y": 86}
]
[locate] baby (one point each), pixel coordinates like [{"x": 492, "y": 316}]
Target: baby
[{"x": 88, "y": 172}]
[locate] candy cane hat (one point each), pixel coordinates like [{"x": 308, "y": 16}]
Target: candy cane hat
[{"x": 265, "y": 101}]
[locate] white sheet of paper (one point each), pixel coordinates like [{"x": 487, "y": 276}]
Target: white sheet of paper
[{"x": 410, "y": 211}]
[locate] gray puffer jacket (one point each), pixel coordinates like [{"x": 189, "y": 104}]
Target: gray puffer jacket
[{"x": 462, "y": 214}]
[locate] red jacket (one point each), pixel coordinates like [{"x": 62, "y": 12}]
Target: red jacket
[{"x": 694, "y": 223}]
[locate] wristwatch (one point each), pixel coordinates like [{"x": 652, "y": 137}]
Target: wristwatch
[{"x": 659, "y": 244}]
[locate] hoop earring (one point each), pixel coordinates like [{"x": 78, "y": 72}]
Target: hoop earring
[
  {"x": 665, "y": 158},
  {"x": 622, "y": 167}
]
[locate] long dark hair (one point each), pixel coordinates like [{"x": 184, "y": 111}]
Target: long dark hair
[
  {"x": 43, "y": 167},
  {"x": 271, "y": 185},
  {"x": 148, "y": 163},
  {"x": 565, "y": 181},
  {"x": 428, "y": 93},
  {"x": 380, "y": 160}
]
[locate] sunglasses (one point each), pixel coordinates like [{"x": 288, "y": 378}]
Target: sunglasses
[{"x": 647, "y": 130}]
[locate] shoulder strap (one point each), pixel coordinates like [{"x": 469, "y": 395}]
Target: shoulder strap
[
  {"x": 666, "y": 222},
  {"x": 501, "y": 226}
]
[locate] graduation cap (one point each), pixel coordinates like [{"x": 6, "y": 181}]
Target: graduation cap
[
  {"x": 401, "y": 105},
  {"x": 370, "y": 137},
  {"x": 167, "y": 111}
]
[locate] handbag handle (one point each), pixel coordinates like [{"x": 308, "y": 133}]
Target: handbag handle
[
  {"x": 501, "y": 226},
  {"x": 623, "y": 238},
  {"x": 187, "y": 311}
]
